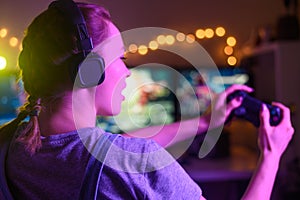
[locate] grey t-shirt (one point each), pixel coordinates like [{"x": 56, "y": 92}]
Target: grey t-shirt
[{"x": 133, "y": 169}]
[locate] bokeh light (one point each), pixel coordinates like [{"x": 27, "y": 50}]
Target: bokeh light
[
  {"x": 232, "y": 60},
  {"x": 3, "y": 32},
  {"x": 170, "y": 39},
  {"x": 190, "y": 38},
  {"x": 143, "y": 49},
  {"x": 161, "y": 39},
  {"x": 2, "y": 63},
  {"x": 13, "y": 41},
  {"x": 228, "y": 50},
  {"x": 200, "y": 33},
  {"x": 133, "y": 48},
  {"x": 180, "y": 37},
  {"x": 220, "y": 31},
  {"x": 231, "y": 41},
  {"x": 209, "y": 33},
  {"x": 153, "y": 45}
]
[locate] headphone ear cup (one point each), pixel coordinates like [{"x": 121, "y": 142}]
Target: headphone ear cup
[{"x": 91, "y": 72}]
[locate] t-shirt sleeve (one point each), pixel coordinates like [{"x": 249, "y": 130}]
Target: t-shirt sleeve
[{"x": 166, "y": 179}]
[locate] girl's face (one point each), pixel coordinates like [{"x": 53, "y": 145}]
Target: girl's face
[{"x": 108, "y": 97}]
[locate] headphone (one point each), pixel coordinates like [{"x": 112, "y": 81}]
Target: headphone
[{"x": 89, "y": 71}]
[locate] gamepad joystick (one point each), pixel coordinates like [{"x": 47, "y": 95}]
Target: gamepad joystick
[{"x": 250, "y": 109}]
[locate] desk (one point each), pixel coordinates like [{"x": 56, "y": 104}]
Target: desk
[{"x": 221, "y": 169}]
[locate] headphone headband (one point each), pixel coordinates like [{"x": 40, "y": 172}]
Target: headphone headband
[
  {"x": 89, "y": 69},
  {"x": 71, "y": 11}
]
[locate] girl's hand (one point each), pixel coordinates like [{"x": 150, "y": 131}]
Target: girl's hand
[
  {"x": 274, "y": 139},
  {"x": 220, "y": 109}
]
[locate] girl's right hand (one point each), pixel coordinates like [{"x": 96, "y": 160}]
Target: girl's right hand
[{"x": 273, "y": 140}]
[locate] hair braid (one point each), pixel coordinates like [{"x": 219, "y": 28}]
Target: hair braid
[{"x": 30, "y": 135}]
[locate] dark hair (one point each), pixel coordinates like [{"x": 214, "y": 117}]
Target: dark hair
[{"x": 49, "y": 47}]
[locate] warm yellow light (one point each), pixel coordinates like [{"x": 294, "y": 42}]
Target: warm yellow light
[
  {"x": 180, "y": 37},
  {"x": 153, "y": 45},
  {"x": 143, "y": 50},
  {"x": 231, "y": 41},
  {"x": 161, "y": 39},
  {"x": 200, "y": 33},
  {"x": 2, "y": 63},
  {"x": 209, "y": 33},
  {"x": 220, "y": 31},
  {"x": 228, "y": 50},
  {"x": 232, "y": 60},
  {"x": 20, "y": 47},
  {"x": 170, "y": 39},
  {"x": 3, "y": 33},
  {"x": 13, "y": 41},
  {"x": 190, "y": 38},
  {"x": 132, "y": 48}
]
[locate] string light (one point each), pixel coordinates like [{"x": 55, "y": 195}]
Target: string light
[
  {"x": 161, "y": 39},
  {"x": 170, "y": 39},
  {"x": 133, "y": 48},
  {"x": 228, "y": 50},
  {"x": 13, "y": 41},
  {"x": 232, "y": 60},
  {"x": 153, "y": 45},
  {"x": 200, "y": 34},
  {"x": 3, "y": 33},
  {"x": 180, "y": 37},
  {"x": 220, "y": 31},
  {"x": 143, "y": 50},
  {"x": 231, "y": 41},
  {"x": 190, "y": 38},
  {"x": 209, "y": 33}
]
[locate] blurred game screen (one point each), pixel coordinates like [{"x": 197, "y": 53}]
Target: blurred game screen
[{"x": 149, "y": 100}]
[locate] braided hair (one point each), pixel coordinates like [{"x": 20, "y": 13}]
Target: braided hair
[{"x": 49, "y": 50}]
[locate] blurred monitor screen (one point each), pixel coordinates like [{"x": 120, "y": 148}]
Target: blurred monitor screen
[{"x": 149, "y": 100}]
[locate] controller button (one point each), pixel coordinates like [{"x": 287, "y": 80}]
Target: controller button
[
  {"x": 273, "y": 112},
  {"x": 240, "y": 111},
  {"x": 275, "y": 118}
]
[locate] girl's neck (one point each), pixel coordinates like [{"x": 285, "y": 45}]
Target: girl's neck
[{"x": 64, "y": 115}]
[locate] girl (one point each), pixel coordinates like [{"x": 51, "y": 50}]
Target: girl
[{"x": 60, "y": 154}]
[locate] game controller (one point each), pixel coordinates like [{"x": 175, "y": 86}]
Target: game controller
[{"x": 250, "y": 109}]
